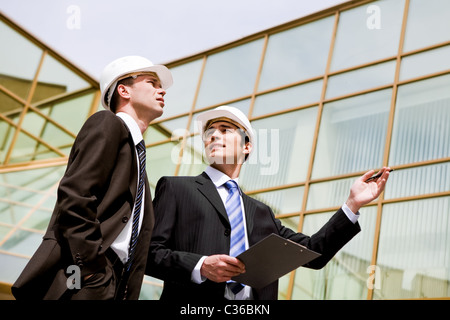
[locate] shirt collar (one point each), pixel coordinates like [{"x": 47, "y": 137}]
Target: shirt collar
[
  {"x": 218, "y": 177},
  {"x": 136, "y": 133}
]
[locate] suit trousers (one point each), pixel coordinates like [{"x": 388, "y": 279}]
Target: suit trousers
[{"x": 111, "y": 284}]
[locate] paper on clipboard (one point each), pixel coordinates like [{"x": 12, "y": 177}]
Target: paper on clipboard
[{"x": 270, "y": 259}]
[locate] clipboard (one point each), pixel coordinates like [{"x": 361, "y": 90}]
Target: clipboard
[{"x": 270, "y": 259}]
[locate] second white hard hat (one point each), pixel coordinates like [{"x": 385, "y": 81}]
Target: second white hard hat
[
  {"x": 232, "y": 113},
  {"x": 120, "y": 68}
]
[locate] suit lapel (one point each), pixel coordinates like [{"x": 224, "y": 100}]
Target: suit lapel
[
  {"x": 249, "y": 206},
  {"x": 208, "y": 189}
]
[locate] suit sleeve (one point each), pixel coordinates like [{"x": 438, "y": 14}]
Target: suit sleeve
[
  {"x": 82, "y": 188},
  {"x": 327, "y": 241},
  {"x": 164, "y": 262}
]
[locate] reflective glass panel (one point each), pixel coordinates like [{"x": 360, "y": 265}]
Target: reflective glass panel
[
  {"x": 427, "y": 24},
  {"x": 161, "y": 161},
  {"x": 38, "y": 220},
  {"x": 20, "y": 59},
  {"x": 283, "y": 282},
  {"x": 328, "y": 194},
  {"x": 346, "y": 275},
  {"x": 22, "y": 242},
  {"x": 417, "y": 181},
  {"x": 11, "y": 213},
  {"x": 282, "y": 201},
  {"x": 72, "y": 113},
  {"x": 297, "y": 54},
  {"x": 360, "y": 79},
  {"x": 414, "y": 250},
  {"x": 352, "y": 134},
  {"x": 282, "y": 150},
  {"x": 193, "y": 160},
  {"x": 151, "y": 288},
  {"x": 169, "y": 129},
  {"x": 156, "y": 133},
  {"x": 425, "y": 63},
  {"x": 12, "y": 266},
  {"x": 288, "y": 98},
  {"x": 230, "y": 74},
  {"x": 180, "y": 96},
  {"x": 368, "y": 33},
  {"x": 55, "y": 79},
  {"x": 8, "y": 105},
  {"x": 421, "y": 128}
]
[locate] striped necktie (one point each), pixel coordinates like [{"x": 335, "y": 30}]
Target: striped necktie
[
  {"x": 138, "y": 202},
  {"x": 237, "y": 238}
]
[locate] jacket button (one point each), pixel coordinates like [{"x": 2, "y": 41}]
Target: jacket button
[
  {"x": 125, "y": 219},
  {"x": 227, "y": 232}
]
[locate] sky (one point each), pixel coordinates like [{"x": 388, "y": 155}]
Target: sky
[{"x": 91, "y": 33}]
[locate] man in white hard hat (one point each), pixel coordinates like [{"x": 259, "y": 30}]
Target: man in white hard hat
[
  {"x": 98, "y": 237},
  {"x": 202, "y": 223}
]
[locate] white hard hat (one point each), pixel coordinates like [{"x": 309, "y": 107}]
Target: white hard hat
[
  {"x": 120, "y": 68},
  {"x": 232, "y": 113}
]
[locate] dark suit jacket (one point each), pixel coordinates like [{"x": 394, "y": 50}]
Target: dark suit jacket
[
  {"x": 95, "y": 200},
  {"x": 191, "y": 222}
]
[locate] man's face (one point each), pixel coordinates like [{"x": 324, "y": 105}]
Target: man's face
[
  {"x": 224, "y": 143},
  {"x": 146, "y": 95}
]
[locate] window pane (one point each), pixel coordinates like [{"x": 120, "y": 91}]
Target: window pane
[
  {"x": 413, "y": 253},
  {"x": 282, "y": 201},
  {"x": 14, "y": 75},
  {"x": 421, "y": 127},
  {"x": 417, "y": 181},
  {"x": 329, "y": 194},
  {"x": 288, "y": 98},
  {"x": 425, "y": 63},
  {"x": 161, "y": 161},
  {"x": 25, "y": 149},
  {"x": 8, "y": 105},
  {"x": 12, "y": 266},
  {"x": 55, "y": 78},
  {"x": 22, "y": 242},
  {"x": 6, "y": 133},
  {"x": 11, "y": 213},
  {"x": 352, "y": 134},
  {"x": 368, "y": 33},
  {"x": 38, "y": 220},
  {"x": 192, "y": 162},
  {"x": 282, "y": 151},
  {"x": 345, "y": 276},
  {"x": 180, "y": 96},
  {"x": 361, "y": 79},
  {"x": 283, "y": 283},
  {"x": 72, "y": 113},
  {"x": 230, "y": 74},
  {"x": 428, "y": 24},
  {"x": 172, "y": 128},
  {"x": 297, "y": 54}
]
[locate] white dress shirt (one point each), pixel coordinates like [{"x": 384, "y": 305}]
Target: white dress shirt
[
  {"x": 122, "y": 242},
  {"x": 219, "y": 178}
]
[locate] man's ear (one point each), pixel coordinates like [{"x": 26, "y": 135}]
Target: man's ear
[
  {"x": 123, "y": 91},
  {"x": 248, "y": 148}
]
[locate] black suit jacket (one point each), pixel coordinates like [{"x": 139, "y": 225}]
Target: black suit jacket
[
  {"x": 95, "y": 200},
  {"x": 191, "y": 222}
]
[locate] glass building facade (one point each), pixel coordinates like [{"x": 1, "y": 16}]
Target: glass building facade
[{"x": 359, "y": 86}]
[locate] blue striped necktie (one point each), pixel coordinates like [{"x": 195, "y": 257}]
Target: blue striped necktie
[
  {"x": 138, "y": 202},
  {"x": 237, "y": 238}
]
